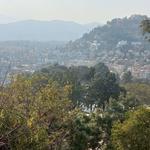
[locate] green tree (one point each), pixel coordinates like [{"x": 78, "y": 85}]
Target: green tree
[
  {"x": 101, "y": 70},
  {"x": 33, "y": 119},
  {"x": 146, "y": 28},
  {"x": 134, "y": 132},
  {"x": 140, "y": 91},
  {"x": 101, "y": 89},
  {"x": 88, "y": 131},
  {"x": 66, "y": 76},
  {"x": 127, "y": 77}
]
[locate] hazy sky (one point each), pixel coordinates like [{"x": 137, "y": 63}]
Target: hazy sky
[{"x": 82, "y": 11}]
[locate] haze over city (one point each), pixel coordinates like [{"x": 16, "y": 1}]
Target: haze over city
[{"x": 81, "y": 11}]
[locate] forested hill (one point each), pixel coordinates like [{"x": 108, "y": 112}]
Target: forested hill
[{"x": 115, "y": 32}]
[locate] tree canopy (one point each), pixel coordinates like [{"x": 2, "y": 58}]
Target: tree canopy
[{"x": 134, "y": 132}]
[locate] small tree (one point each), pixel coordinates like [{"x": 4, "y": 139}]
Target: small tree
[
  {"x": 102, "y": 88},
  {"x": 146, "y": 28},
  {"x": 127, "y": 77}
]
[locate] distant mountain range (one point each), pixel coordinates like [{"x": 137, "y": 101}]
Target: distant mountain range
[{"x": 33, "y": 30}]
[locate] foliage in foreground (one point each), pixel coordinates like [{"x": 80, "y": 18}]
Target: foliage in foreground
[
  {"x": 42, "y": 117},
  {"x": 140, "y": 90},
  {"x": 38, "y": 111},
  {"x": 134, "y": 132},
  {"x": 33, "y": 119}
]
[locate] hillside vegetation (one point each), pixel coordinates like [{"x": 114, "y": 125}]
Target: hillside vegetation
[{"x": 75, "y": 108}]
